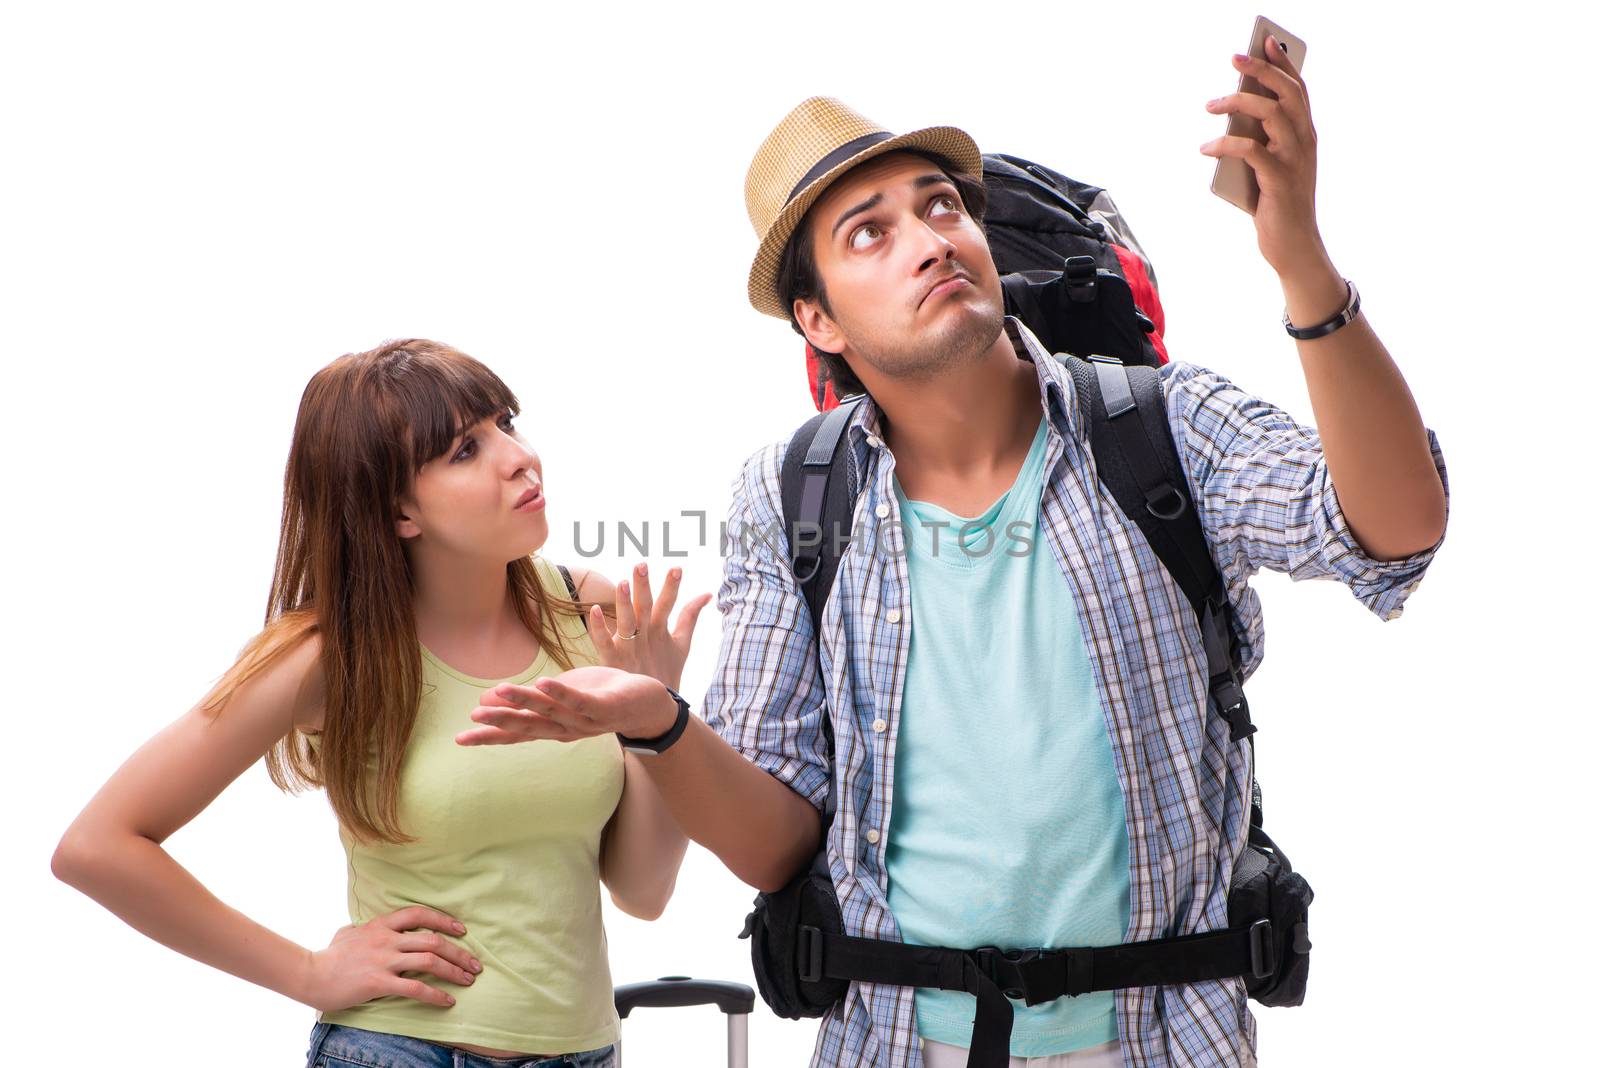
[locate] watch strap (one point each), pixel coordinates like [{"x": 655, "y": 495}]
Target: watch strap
[{"x": 661, "y": 742}]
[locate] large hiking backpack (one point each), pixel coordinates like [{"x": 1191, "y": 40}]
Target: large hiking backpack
[{"x": 1103, "y": 323}]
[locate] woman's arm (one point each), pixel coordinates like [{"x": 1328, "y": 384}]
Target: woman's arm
[
  {"x": 642, "y": 847},
  {"x": 112, "y": 852},
  {"x": 760, "y": 827}
]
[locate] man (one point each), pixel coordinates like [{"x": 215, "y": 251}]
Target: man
[
  {"x": 995, "y": 786},
  {"x": 1023, "y": 749}
]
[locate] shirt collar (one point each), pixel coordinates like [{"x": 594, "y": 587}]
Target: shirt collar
[{"x": 1054, "y": 381}]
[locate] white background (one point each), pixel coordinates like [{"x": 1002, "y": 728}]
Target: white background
[{"x": 206, "y": 203}]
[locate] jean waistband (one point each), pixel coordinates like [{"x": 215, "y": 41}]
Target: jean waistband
[{"x": 378, "y": 1049}]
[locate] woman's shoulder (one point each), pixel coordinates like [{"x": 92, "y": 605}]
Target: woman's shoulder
[
  {"x": 591, "y": 584},
  {"x": 277, "y": 679},
  {"x": 592, "y": 587},
  {"x": 301, "y": 670}
]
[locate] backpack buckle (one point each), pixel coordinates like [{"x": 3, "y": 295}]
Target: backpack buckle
[
  {"x": 806, "y": 566},
  {"x": 1004, "y": 967},
  {"x": 808, "y": 952},
  {"x": 1235, "y": 710},
  {"x": 1078, "y": 274},
  {"x": 1263, "y": 954},
  {"x": 1165, "y": 502}
]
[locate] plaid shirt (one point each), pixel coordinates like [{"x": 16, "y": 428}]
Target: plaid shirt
[{"x": 1265, "y": 500}]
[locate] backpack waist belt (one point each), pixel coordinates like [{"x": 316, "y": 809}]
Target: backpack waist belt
[{"x": 1034, "y": 976}]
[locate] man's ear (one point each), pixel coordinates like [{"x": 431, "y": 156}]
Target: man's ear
[{"x": 818, "y": 326}]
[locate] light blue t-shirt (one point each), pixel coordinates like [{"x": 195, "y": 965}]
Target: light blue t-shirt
[{"x": 1007, "y": 827}]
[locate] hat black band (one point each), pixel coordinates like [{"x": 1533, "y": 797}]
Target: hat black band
[{"x": 838, "y": 156}]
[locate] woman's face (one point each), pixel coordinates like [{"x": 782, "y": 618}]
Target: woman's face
[{"x": 464, "y": 503}]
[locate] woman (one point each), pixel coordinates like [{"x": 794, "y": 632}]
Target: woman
[{"x": 406, "y": 588}]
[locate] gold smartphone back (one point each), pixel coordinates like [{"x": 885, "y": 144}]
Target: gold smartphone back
[{"x": 1235, "y": 180}]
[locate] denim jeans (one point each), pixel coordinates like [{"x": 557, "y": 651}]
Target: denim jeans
[{"x": 336, "y": 1046}]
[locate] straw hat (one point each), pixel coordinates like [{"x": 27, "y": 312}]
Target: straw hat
[{"x": 814, "y": 144}]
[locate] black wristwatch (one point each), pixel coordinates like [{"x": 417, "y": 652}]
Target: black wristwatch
[{"x": 661, "y": 742}]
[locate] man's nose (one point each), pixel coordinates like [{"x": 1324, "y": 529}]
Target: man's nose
[{"x": 935, "y": 249}]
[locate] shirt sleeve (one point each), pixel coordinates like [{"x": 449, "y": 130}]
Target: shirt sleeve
[
  {"x": 767, "y": 697},
  {"x": 1261, "y": 486}
]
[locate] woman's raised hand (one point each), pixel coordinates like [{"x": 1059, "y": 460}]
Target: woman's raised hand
[
  {"x": 642, "y": 642},
  {"x": 366, "y": 961}
]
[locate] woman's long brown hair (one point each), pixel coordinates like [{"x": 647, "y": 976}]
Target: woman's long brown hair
[{"x": 367, "y": 423}]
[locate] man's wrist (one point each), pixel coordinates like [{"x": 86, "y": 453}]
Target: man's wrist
[
  {"x": 1313, "y": 294},
  {"x": 660, "y": 740},
  {"x": 662, "y": 722}
]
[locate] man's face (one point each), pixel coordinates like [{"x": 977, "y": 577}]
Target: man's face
[{"x": 909, "y": 280}]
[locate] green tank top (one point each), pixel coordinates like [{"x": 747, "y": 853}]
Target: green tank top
[{"x": 508, "y": 842}]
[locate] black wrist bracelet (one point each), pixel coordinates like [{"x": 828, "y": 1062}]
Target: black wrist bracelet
[
  {"x": 661, "y": 742},
  {"x": 1352, "y": 308}
]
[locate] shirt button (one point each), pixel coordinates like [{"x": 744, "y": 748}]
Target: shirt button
[
  {"x": 893, "y": 615},
  {"x": 873, "y": 836},
  {"x": 882, "y": 511},
  {"x": 874, "y": 441},
  {"x": 879, "y": 726}
]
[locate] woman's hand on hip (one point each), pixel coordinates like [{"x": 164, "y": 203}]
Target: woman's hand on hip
[
  {"x": 654, "y": 648},
  {"x": 371, "y": 960},
  {"x": 580, "y": 703}
]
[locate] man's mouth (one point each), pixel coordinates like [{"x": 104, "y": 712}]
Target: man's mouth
[{"x": 949, "y": 285}]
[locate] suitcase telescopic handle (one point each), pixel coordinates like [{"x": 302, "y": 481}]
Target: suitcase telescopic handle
[{"x": 673, "y": 991}]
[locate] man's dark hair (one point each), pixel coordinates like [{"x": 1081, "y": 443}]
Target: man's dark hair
[{"x": 798, "y": 278}]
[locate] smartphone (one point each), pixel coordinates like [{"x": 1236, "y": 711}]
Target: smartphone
[{"x": 1235, "y": 180}]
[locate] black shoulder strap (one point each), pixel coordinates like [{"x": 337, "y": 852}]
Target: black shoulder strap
[
  {"x": 819, "y": 497},
  {"x": 566, "y": 576},
  {"x": 1138, "y": 464}
]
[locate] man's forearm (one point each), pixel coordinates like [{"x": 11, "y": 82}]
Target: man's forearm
[
  {"x": 1373, "y": 437},
  {"x": 761, "y": 829}
]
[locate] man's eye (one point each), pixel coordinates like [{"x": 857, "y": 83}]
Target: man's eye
[
  {"x": 870, "y": 232},
  {"x": 463, "y": 452},
  {"x": 947, "y": 203}
]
